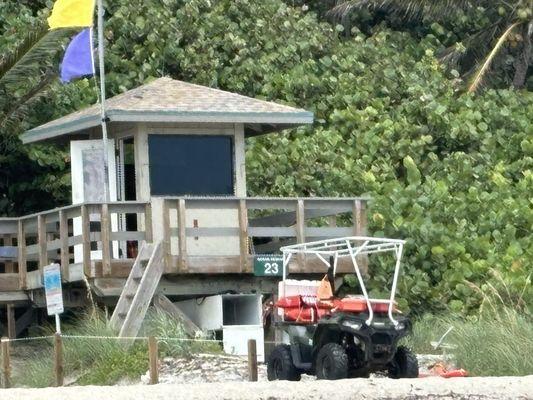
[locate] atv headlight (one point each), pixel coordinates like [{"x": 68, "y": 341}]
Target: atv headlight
[
  {"x": 352, "y": 325},
  {"x": 400, "y": 326}
]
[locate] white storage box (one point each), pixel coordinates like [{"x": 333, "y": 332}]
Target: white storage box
[{"x": 238, "y": 316}]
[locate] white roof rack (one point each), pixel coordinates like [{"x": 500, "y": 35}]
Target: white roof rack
[{"x": 351, "y": 246}]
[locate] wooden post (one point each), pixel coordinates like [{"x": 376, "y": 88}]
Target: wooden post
[
  {"x": 6, "y": 364},
  {"x": 58, "y": 360},
  {"x": 11, "y": 322},
  {"x": 360, "y": 222},
  {"x": 167, "y": 237},
  {"x": 10, "y": 268},
  {"x": 252, "y": 360},
  {"x": 63, "y": 238},
  {"x": 148, "y": 235},
  {"x": 300, "y": 231},
  {"x": 182, "y": 237},
  {"x": 42, "y": 240},
  {"x": 86, "y": 239},
  {"x": 243, "y": 236},
  {"x": 105, "y": 236},
  {"x": 22, "y": 264},
  {"x": 153, "y": 357},
  {"x": 359, "y": 218}
]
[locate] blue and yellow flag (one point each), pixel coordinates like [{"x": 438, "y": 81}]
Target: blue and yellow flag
[{"x": 72, "y": 13}]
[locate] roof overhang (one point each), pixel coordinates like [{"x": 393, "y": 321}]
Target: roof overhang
[{"x": 256, "y": 122}]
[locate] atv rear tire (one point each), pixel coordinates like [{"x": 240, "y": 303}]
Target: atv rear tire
[
  {"x": 404, "y": 364},
  {"x": 332, "y": 362},
  {"x": 280, "y": 365}
]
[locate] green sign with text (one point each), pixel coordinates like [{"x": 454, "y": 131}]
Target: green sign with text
[{"x": 268, "y": 265}]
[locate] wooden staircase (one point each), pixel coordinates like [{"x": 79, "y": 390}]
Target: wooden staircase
[{"x": 139, "y": 290}]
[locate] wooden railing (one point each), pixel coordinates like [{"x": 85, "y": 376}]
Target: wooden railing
[
  {"x": 49, "y": 236},
  {"x": 200, "y": 235},
  {"x": 253, "y": 226}
]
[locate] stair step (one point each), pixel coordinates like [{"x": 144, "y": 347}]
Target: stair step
[{"x": 137, "y": 294}]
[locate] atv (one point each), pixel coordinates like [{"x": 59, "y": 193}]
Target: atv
[{"x": 336, "y": 338}]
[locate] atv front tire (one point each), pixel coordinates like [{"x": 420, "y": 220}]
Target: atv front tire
[
  {"x": 280, "y": 365},
  {"x": 404, "y": 364},
  {"x": 332, "y": 362}
]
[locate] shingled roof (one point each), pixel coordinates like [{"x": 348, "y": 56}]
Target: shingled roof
[{"x": 169, "y": 100}]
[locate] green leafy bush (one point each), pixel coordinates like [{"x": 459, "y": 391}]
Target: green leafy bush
[{"x": 449, "y": 172}]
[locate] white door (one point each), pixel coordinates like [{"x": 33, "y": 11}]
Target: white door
[{"x": 87, "y": 174}]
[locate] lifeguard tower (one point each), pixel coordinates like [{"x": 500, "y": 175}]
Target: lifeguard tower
[{"x": 179, "y": 222}]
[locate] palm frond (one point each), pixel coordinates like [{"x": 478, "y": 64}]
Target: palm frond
[
  {"x": 480, "y": 74},
  {"x": 406, "y": 9},
  {"x": 9, "y": 60},
  {"x": 476, "y": 45},
  {"x": 19, "y": 110},
  {"x": 32, "y": 57}
]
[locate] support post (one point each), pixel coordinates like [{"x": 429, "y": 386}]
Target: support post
[
  {"x": 6, "y": 364},
  {"x": 22, "y": 263},
  {"x": 9, "y": 267},
  {"x": 11, "y": 322},
  {"x": 167, "y": 237},
  {"x": 86, "y": 239},
  {"x": 148, "y": 234},
  {"x": 41, "y": 237},
  {"x": 300, "y": 231},
  {"x": 105, "y": 235},
  {"x": 182, "y": 237},
  {"x": 63, "y": 238},
  {"x": 58, "y": 360},
  {"x": 153, "y": 357},
  {"x": 252, "y": 360},
  {"x": 359, "y": 218},
  {"x": 243, "y": 236},
  {"x": 359, "y": 226}
]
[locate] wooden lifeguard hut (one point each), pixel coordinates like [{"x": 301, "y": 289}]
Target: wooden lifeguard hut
[{"x": 179, "y": 221}]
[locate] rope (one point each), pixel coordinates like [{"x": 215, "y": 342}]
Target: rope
[
  {"x": 27, "y": 339},
  {"x": 125, "y": 338},
  {"x": 140, "y": 338}
]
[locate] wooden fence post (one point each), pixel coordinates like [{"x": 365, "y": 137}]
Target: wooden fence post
[
  {"x": 58, "y": 359},
  {"x": 153, "y": 357},
  {"x": 11, "y": 321},
  {"x": 252, "y": 360},
  {"x": 6, "y": 364}
]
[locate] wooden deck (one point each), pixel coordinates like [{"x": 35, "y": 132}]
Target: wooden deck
[{"x": 247, "y": 225}]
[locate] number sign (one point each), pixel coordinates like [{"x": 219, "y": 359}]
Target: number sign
[{"x": 268, "y": 265}]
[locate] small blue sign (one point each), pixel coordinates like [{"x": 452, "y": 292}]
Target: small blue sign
[{"x": 53, "y": 289}]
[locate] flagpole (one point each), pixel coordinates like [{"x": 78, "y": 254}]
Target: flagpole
[{"x": 102, "y": 97}]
